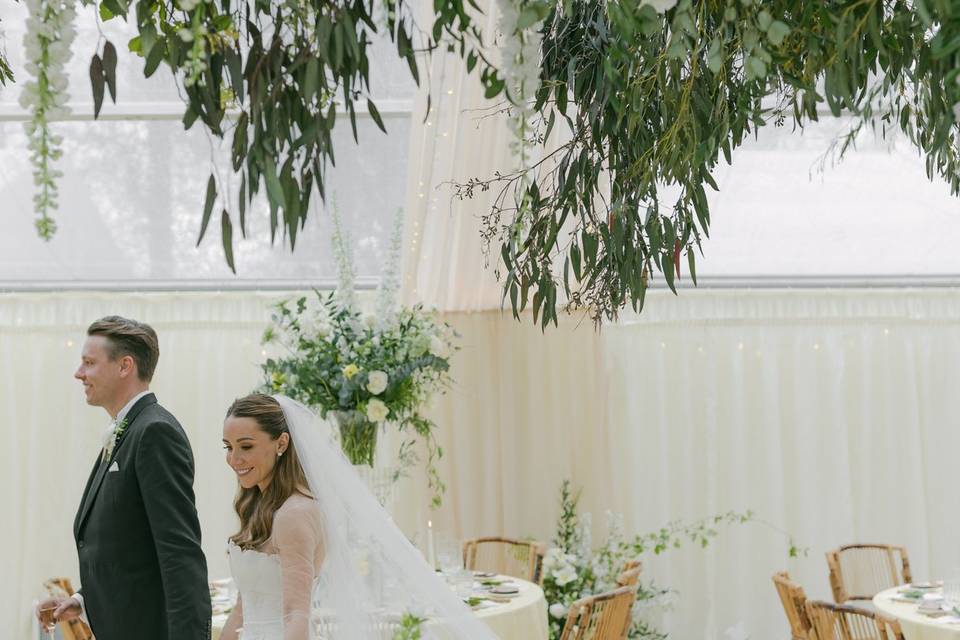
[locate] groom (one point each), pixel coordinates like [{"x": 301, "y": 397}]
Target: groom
[{"x": 143, "y": 573}]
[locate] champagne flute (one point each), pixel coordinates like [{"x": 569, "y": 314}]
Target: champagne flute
[{"x": 47, "y": 621}]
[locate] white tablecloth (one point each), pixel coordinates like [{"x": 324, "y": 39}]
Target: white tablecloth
[
  {"x": 916, "y": 626},
  {"x": 524, "y": 617}
]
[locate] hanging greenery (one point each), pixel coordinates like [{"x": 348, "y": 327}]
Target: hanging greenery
[
  {"x": 289, "y": 68},
  {"x": 6, "y": 73},
  {"x": 47, "y": 44},
  {"x": 653, "y": 95}
]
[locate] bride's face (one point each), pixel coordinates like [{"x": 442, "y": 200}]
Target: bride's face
[{"x": 251, "y": 452}]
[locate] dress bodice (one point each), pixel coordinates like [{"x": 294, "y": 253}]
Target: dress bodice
[{"x": 259, "y": 580}]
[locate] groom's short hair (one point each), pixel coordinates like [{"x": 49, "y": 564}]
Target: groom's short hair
[{"x": 130, "y": 338}]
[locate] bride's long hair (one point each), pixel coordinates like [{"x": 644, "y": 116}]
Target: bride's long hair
[{"x": 255, "y": 508}]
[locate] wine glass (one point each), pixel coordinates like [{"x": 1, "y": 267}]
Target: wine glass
[
  {"x": 47, "y": 621},
  {"x": 951, "y": 588},
  {"x": 449, "y": 556}
]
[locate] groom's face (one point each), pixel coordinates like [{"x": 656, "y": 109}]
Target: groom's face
[{"x": 100, "y": 375}]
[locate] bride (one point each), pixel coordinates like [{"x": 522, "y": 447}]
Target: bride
[{"x": 315, "y": 550}]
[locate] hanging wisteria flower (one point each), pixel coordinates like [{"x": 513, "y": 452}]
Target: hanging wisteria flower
[
  {"x": 660, "y": 6},
  {"x": 519, "y": 24},
  {"x": 47, "y": 41}
]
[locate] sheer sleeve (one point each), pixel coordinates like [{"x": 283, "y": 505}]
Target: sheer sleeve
[
  {"x": 297, "y": 535},
  {"x": 234, "y": 622}
]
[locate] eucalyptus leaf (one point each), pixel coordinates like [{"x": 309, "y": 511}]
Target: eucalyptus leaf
[
  {"x": 97, "y": 82},
  {"x": 211, "y": 197},
  {"x": 226, "y": 237},
  {"x": 110, "y": 69}
]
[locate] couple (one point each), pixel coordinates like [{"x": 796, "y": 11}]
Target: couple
[{"x": 314, "y": 550}]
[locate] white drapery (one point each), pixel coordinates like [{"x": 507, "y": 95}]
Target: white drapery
[{"x": 829, "y": 413}]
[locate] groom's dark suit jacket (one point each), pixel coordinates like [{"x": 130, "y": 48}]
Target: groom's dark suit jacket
[{"x": 143, "y": 573}]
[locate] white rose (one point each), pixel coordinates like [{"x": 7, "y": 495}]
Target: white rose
[
  {"x": 377, "y": 382},
  {"x": 309, "y": 324},
  {"x": 376, "y": 410},
  {"x": 660, "y": 6},
  {"x": 565, "y": 576},
  {"x": 557, "y": 610},
  {"x": 439, "y": 348}
]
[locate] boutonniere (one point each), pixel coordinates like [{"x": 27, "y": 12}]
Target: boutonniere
[{"x": 118, "y": 430}]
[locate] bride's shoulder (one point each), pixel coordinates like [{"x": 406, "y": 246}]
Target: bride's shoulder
[{"x": 297, "y": 508}]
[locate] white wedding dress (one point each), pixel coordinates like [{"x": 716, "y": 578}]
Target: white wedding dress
[
  {"x": 340, "y": 550},
  {"x": 259, "y": 579},
  {"x": 276, "y": 585}
]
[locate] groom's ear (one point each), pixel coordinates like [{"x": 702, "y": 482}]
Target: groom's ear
[{"x": 128, "y": 366}]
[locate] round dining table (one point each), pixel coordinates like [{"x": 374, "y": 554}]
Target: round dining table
[
  {"x": 520, "y": 617},
  {"x": 916, "y": 625}
]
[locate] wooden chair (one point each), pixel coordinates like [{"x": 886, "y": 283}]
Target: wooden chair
[
  {"x": 605, "y": 616},
  {"x": 517, "y": 558},
  {"x": 630, "y": 576},
  {"x": 794, "y": 605},
  {"x": 842, "y": 622},
  {"x": 861, "y": 571},
  {"x": 69, "y": 629}
]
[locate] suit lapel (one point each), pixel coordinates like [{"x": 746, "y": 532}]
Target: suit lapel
[
  {"x": 130, "y": 418},
  {"x": 83, "y": 500},
  {"x": 94, "y": 488}
]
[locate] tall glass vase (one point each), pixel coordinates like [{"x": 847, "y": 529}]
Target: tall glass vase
[{"x": 358, "y": 438}]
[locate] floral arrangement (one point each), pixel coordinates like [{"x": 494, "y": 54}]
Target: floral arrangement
[
  {"x": 49, "y": 34},
  {"x": 573, "y": 568},
  {"x": 365, "y": 370}
]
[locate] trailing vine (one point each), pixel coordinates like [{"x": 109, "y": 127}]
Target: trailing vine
[{"x": 49, "y": 34}]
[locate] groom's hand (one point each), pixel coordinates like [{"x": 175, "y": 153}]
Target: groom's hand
[
  {"x": 67, "y": 609},
  {"x": 48, "y": 605}
]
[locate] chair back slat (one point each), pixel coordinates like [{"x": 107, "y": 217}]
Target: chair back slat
[
  {"x": 605, "y": 616},
  {"x": 794, "y": 602},
  {"x": 841, "y": 622},
  {"x": 518, "y": 558},
  {"x": 861, "y": 571}
]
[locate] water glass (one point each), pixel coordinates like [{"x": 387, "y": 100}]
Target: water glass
[
  {"x": 463, "y": 583},
  {"x": 951, "y": 589},
  {"x": 449, "y": 555}
]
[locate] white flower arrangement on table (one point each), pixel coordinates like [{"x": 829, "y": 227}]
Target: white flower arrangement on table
[
  {"x": 365, "y": 370},
  {"x": 50, "y": 32},
  {"x": 573, "y": 569}
]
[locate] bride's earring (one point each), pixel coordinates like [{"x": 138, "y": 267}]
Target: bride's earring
[{"x": 279, "y": 453}]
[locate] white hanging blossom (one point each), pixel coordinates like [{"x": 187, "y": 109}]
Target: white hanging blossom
[
  {"x": 47, "y": 41},
  {"x": 660, "y": 6},
  {"x": 520, "y": 22},
  {"x": 390, "y": 282},
  {"x": 343, "y": 254}
]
